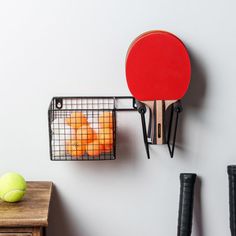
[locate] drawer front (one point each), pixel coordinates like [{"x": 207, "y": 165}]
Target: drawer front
[{"x": 15, "y": 234}]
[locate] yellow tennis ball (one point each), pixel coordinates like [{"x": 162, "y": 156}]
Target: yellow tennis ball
[{"x": 12, "y": 187}]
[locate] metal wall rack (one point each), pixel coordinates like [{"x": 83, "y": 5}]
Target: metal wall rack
[{"x": 64, "y": 106}]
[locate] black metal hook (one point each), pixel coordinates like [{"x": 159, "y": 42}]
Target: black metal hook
[
  {"x": 175, "y": 108},
  {"x": 142, "y": 110}
]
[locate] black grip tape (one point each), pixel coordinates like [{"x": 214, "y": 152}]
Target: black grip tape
[
  {"x": 187, "y": 181},
  {"x": 232, "y": 198}
]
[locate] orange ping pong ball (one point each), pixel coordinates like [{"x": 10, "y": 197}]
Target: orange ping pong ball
[{"x": 76, "y": 120}]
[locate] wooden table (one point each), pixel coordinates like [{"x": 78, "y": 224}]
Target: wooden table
[{"x": 29, "y": 217}]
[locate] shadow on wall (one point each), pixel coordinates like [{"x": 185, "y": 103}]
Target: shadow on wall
[
  {"x": 194, "y": 98},
  {"x": 197, "y": 210},
  {"x": 59, "y": 217}
]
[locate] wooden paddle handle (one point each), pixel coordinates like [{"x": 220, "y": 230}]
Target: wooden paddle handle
[
  {"x": 158, "y": 109},
  {"x": 157, "y": 124},
  {"x": 159, "y": 134}
]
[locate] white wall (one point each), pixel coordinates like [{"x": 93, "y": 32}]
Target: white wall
[{"x": 50, "y": 48}]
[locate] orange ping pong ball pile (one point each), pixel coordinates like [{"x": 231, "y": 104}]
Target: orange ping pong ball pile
[{"x": 85, "y": 139}]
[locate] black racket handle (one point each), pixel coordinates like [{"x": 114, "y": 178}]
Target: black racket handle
[
  {"x": 232, "y": 198},
  {"x": 187, "y": 181}
]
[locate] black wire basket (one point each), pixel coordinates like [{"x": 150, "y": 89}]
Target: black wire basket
[{"x": 82, "y": 128}]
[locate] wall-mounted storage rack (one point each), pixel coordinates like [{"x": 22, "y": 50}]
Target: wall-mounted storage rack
[{"x": 84, "y": 128}]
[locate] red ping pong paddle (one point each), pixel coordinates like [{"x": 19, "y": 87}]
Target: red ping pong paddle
[{"x": 158, "y": 73}]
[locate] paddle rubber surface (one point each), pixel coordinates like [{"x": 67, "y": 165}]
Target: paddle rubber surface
[{"x": 157, "y": 67}]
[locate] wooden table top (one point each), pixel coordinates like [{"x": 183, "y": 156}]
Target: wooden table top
[{"x": 32, "y": 210}]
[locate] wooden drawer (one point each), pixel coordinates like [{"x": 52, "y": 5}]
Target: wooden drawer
[
  {"x": 15, "y": 234},
  {"x": 36, "y": 231}
]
